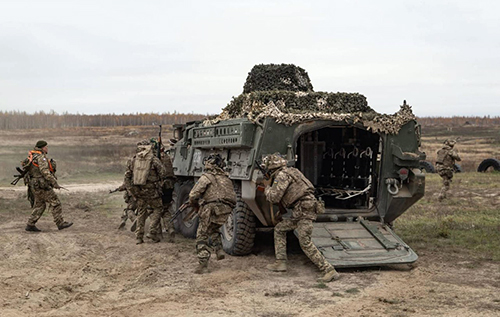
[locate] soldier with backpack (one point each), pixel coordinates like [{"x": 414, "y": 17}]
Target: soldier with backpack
[{"x": 144, "y": 181}]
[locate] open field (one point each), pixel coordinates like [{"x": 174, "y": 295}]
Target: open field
[{"x": 92, "y": 268}]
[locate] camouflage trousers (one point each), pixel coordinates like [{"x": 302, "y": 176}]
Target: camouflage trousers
[
  {"x": 304, "y": 229},
  {"x": 212, "y": 217},
  {"x": 447, "y": 175},
  {"x": 148, "y": 206},
  {"x": 129, "y": 212},
  {"x": 167, "y": 217},
  {"x": 42, "y": 199}
]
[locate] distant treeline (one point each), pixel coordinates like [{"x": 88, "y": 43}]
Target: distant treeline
[
  {"x": 39, "y": 120},
  {"x": 459, "y": 121}
]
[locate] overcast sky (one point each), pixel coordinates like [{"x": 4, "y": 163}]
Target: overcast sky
[{"x": 103, "y": 56}]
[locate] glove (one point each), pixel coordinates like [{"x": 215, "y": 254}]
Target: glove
[
  {"x": 56, "y": 186},
  {"x": 267, "y": 182}
]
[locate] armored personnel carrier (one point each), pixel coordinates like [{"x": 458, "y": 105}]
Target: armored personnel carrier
[{"x": 364, "y": 165}]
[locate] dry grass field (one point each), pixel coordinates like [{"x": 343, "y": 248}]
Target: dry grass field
[{"x": 92, "y": 268}]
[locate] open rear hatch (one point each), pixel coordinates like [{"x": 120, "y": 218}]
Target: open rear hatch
[{"x": 363, "y": 243}]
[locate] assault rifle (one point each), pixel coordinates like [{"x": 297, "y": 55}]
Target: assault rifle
[
  {"x": 22, "y": 173},
  {"x": 264, "y": 172},
  {"x": 158, "y": 150},
  {"x": 192, "y": 213},
  {"x": 118, "y": 189}
]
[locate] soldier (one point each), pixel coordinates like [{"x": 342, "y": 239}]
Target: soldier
[
  {"x": 445, "y": 164},
  {"x": 168, "y": 188},
  {"x": 215, "y": 195},
  {"x": 42, "y": 182},
  {"x": 292, "y": 189},
  {"x": 144, "y": 180},
  {"x": 129, "y": 211}
]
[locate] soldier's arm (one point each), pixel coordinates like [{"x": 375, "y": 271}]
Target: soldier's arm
[
  {"x": 455, "y": 155},
  {"x": 43, "y": 165},
  {"x": 160, "y": 168},
  {"x": 127, "y": 180},
  {"x": 198, "y": 189},
  {"x": 275, "y": 193}
]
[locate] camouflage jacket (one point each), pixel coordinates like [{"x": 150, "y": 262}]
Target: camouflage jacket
[
  {"x": 155, "y": 178},
  {"x": 213, "y": 186},
  {"x": 167, "y": 162},
  {"x": 447, "y": 157},
  {"x": 289, "y": 187},
  {"x": 40, "y": 170}
]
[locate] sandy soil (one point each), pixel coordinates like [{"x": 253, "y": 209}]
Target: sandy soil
[{"x": 94, "y": 269}]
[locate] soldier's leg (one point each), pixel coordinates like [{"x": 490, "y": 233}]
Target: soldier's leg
[
  {"x": 280, "y": 231},
  {"x": 38, "y": 208},
  {"x": 304, "y": 230},
  {"x": 202, "y": 245},
  {"x": 154, "y": 227},
  {"x": 219, "y": 214},
  {"x": 141, "y": 221},
  {"x": 55, "y": 207}
]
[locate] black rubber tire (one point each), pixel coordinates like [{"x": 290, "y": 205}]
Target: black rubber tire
[
  {"x": 487, "y": 163},
  {"x": 457, "y": 168},
  {"x": 238, "y": 233},
  {"x": 427, "y": 167},
  {"x": 179, "y": 196}
]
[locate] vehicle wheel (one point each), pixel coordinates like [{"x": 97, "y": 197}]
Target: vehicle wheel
[
  {"x": 180, "y": 196},
  {"x": 489, "y": 165},
  {"x": 238, "y": 233},
  {"x": 427, "y": 167},
  {"x": 457, "y": 168}
]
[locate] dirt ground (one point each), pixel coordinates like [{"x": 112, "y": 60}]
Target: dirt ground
[{"x": 94, "y": 269}]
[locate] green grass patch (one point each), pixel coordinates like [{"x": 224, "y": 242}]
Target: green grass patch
[{"x": 468, "y": 222}]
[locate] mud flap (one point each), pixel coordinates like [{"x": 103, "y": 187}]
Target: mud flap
[{"x": 363, "y": 243}]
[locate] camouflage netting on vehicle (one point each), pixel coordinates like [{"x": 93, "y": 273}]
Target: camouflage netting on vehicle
[
  {"x": 288, "y": 108},
  {"x": 284, "y": 92},
  {"x": 277, "y": 77}
]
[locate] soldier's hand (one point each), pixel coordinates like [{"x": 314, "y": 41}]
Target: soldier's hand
[
  {"x": 266, "y": 182},
  {"x": 56, "y": 186}
]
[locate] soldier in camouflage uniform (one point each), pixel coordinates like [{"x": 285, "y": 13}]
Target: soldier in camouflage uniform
[
  {"x": 215, "y": 195},
  {"x": 168, "y": 188},
  {"x": 129, "y": 211},
  {"x": 42, "y": 182},
  {"x": 445, "y": 164},
  {"x": 294, "y": 191},
  {"x": 144, "y": 180}
]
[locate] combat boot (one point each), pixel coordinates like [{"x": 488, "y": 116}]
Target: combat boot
[
  {"x": 201, "y": 268},
  {"x": 139, "y": 241},
  {"x": 171, "y": 237},
  {"x": 330, "y": 276},
  {"x": 153, "y": 237},
  {"x": 32, "y": 228},
  {"x": 121, "y": 226},
  {"x": 220, "y": 255},
  {"x": 64, "y": 225},
  {"x": 278, "y": 266}
]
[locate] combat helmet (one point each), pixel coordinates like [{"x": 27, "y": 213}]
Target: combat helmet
[
  {"x": 450, "y": 142},
  {"x": 273, "y": 161}
]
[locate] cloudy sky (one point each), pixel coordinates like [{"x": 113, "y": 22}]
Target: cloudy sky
[{"x": 104, "y": 56}]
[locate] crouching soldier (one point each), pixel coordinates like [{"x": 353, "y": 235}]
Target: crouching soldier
[
  {"x": 143, "y": 180},
  {"x": 215, "y": 195},
  {"x": 292, "y": 189},
  {"x": 42, "y": 182}
]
